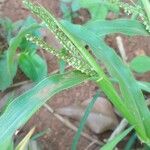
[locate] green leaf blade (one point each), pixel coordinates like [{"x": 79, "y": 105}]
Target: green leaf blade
[
  {"x": 33, "y": 66},
  {"x": 124, "y": 26},
  {"x": 6, "y": 75},
  {"x": 140, "y": 64},
  {"x": 29, "y": 102},
  {"x": 111, "y": 144},
  {"x": 15, "y": 42},
  {"x": 83, "y": 121}
]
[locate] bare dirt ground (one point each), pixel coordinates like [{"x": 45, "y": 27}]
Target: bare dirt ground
[{"x": 60, "y": 137}]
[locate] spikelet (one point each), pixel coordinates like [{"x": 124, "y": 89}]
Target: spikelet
[
  {"x": 129, "y": 10},
  {"x": 54, "y": 26},
  {"x": 73, "y": 57},
  {"x": 63, "y": 54}
]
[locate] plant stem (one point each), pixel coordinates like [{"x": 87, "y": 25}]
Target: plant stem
[
  {"x": 113, "y": 96},
  {"x": 105, "y": 84}
]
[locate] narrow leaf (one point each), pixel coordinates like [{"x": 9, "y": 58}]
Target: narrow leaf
[
  {"x": 6, "y": 78},
  {"x": 83, "y": 122},
  {"x": 111, "y": 144},
  {"x": 131, "y": 142},
  {"x": 8, "y": 144},
  {"x": 124, "y": 26},
  {"x": 29, "y": 102},
  {"x": 144, "y": 86},
  {"x": 24, "y": 143},
  {"x": 33, "y": 66},
  {"x": 15, "y": 42}
]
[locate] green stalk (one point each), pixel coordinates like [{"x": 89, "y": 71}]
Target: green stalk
[{"x": 106, "y": 86}]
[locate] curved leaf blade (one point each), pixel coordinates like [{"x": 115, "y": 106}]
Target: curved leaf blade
[
  {"x": 145, "y": 86},
  {"x": 24, "y": 143},
  {"x": 124, "y": 26},
  {"x": 33, "y": 66},
  {"x": 6, "y": 78},
  {"x": 20, "y": 110},
  {"x": 83, "y": 121},
  {"x": 15, "y": 42},
  {"x": 111, "y": 144}
]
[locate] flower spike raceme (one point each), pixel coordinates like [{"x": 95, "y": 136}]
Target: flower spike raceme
[
  {"x": 63, "y": 54},
  {"x": 74, "y": 50}
]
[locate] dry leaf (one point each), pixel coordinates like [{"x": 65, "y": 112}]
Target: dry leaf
[{"x": 102, "y": 117}]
